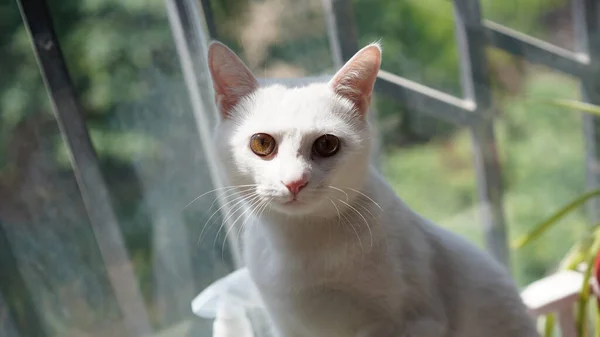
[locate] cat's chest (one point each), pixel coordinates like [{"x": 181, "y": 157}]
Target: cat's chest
[
  {"x": 272, "y": 268},
  {"x": 338, "y": 298},
  {"x": 343, "y": 264}
]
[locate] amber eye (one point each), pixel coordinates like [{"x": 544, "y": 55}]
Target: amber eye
[
  {"x": 326, "y": 145},
  {"x": 262, "y": 144}
]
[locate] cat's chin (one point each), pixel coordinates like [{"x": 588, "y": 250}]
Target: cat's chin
[{"x": 295, "y": 207}]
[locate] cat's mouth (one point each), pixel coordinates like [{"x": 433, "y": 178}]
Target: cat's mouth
[
  {"x": 301, "y": 205},
  {"x": 292, "y": 203}
]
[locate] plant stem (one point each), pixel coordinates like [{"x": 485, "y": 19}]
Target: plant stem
[
  {"x": 549, "y": 325},
  {"x": 585, "y": 288}
]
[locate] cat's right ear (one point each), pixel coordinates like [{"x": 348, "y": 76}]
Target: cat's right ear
[
  {"x": 232, "y": 80},
  {"x": 356, "y": 78}
]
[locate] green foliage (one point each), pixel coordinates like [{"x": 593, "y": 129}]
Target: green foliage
[
  {"x": 588, "y": 252},
  {"x": 586, "y": 249}
]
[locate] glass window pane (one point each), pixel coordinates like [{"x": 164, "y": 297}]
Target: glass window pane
[
  {"x": 543, "y": 159},
  {"x": 276, "y": 39},
  {"x": 48, "y": 243},
  {"x": 549, "y": 20},
  {"x": 143, "y": 127},
  {"x": 429, "y": 164},
  {"x": 418, "y": 39},
  {"x": 141, "y": 123}
]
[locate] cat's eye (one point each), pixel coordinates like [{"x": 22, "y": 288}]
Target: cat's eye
[
  {"x": 326, "y": 145},
  {"x": 262, "y": 144}
]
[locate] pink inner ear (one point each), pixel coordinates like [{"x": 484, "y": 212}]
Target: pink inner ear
[
  {"x": 231, "y": 89},
  {"x": 232, "y": 80},
  {"x": 356, "y": 78}
]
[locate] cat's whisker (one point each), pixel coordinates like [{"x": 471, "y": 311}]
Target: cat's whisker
[
  {"x": 245, "y": 221},
  {"x": 251, "y": 207},
  {"x": 230, "y": 214},
  {"x": 362, "y": 205},
  {"x": 238, "y": 196},
  {"x": 216, "y": 190},
  {"x": 337, "y": 210},
  {"x": 265, "y": 204},
  {"x": 365, "y": 220},
  {"x": 234, "y": 191},
  {"x": 268, "y": 207},
  {"x": 206, "y": 193},
  {"x": 229, "y": 202},
  {"x": 338, "y": 214},
  {"x": 254, "y": 213},
  {"x": 241, "y": 227},
  {"x": 262, "y": 208},
  {"x": 340, "y": 190},
  {"x": 349, "y": 222},
  {"x": 366, "y": 196},
  {"x": 343, "y": 222},
  {"x": 207, "y": 222},
  {"x": 241, "y": 204}
]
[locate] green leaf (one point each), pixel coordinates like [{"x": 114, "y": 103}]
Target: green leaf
[
  {"x": 596, "y": 320},
  {"x": 584, "y": 296},
  {"x": 577, "y": 254},
  {"x": 543, "y": 226},
  {"x": 576, "y": 105}
]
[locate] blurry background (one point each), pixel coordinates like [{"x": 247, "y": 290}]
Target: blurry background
[{"x": 122, "y": 58}]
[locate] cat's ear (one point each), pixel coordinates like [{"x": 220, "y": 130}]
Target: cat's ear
[
  {"x": 356, "y": 78},
  {"x": 231, "y": 78}
]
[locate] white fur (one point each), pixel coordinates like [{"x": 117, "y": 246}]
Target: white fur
[{"x": 349, "y": 258}]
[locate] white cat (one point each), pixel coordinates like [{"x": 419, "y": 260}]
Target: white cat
[{"x": 336, "y": 253}]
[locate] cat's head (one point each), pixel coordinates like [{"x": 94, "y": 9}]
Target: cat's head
[{"x": 306, "y": 149}]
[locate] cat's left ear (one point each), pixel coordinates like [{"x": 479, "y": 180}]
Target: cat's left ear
[
  {"x": 356, "y": 78},
  {"x": 232, "y": 80}
]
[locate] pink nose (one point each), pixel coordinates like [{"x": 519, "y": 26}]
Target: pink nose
[{"x": 295, "y": 186}]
